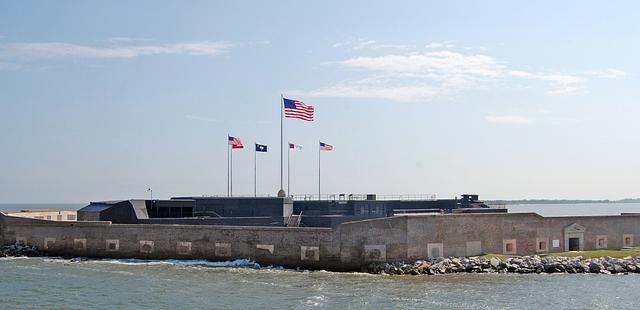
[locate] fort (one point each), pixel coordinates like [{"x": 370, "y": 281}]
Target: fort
[{"x": 339, "y": 235}]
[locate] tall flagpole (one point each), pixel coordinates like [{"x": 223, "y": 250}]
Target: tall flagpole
[
  {"x": 255, "y": 170},
  {"x": 228, "y": 173},
  {"x": 319, "y": 155},
  {"x": 288, "y": 169},
  {"x": 231, "y": 173},
  {"x": 281, "y": 192}
]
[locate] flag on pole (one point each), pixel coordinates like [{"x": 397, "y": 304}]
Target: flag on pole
[
  {"x": 261, "y": 148},
  {"x": 235, "y": 143},
  {"x": 297, "y": 109},
  {"x": 326, "y": 147},
  {"x": 293, "y": 146}
]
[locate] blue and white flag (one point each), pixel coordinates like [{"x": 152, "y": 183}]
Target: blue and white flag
[{"x": 261, "y": 147}]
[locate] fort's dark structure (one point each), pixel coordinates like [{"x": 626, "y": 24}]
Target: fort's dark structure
[{"x": 272, "y": 211}]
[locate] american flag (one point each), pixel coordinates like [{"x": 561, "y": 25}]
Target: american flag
[
  {"x": 293, "y": 146},
  {"x": 326, "y": 147},
  {"x": 297, "y": 109},
  {"x": 235, "y": 143}
]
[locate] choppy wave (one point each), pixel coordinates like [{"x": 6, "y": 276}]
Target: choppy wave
[{"x": 238, "y": 263}]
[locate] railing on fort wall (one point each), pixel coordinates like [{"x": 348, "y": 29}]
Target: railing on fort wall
[
  {"x": 333, "y": 197},
  {"x": 340, "y": 197}
]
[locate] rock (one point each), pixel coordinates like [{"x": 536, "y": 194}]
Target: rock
[
  {"x": 494, "y": 262},
  {"x": 617, "y": 268},
  {"x": 444, "y": 265},
  {"x": 19, "y": 250}
]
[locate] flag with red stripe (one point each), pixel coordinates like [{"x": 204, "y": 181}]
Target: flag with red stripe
[
  {"x": 235, "y": 143},
  {"x": 326, "y": 147},
  {"x": 298, "y": 109}
]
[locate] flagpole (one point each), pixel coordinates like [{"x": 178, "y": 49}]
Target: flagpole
[
  {"x": 231, "y": 173},
  {"x": 228, "y": 156},
  {"x": 288, "y": 169},
  {"x": 319, "y": 155},
  {"x": 281, "y": 192},
  {"x": 255, "y": 170}
]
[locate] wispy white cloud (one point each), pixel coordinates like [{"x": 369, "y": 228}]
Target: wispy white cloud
[
  {"x": 431, "y": 74},
  {"x": 355, "y": 45},
  {"x": 562, "y": 84},
  {"x": 215, "y": 120},
  {"x": 439, "y": 64},
  {"x": 48, "y": 50},
  {"x": 440, "y": 45},
  {"x": 360, "y": 44},
  {"x": 128, "y": 40},
  {"x": 507, "y": 119},
  {"x": 359, "y": 90},
  {"x": 202, "y": 118},
  {"x": 610, "y": 73}
]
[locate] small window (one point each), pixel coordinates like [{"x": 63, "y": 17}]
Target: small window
[
  {"x": 601, "y": 242},
  {"x": 509, "y": 246},
  {"x": 48, "y": 217},
  {"x": 71, "y": 217},
  {"x": 542, "y": 246}
]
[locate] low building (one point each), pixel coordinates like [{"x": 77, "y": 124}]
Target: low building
[{"x": 46, "y": 214}]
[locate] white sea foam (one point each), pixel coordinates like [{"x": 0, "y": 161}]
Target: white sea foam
[
  {"x": 315, "y": 301},
  {"x": 238, "y": 263}
]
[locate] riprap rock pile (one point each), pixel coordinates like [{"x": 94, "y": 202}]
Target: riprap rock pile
[
  {"x": 19, "y": 250},
  {"x": 524, "y": 264}
]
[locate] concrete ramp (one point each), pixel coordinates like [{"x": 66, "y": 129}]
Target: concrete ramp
[{"x": 140, "y": 208}]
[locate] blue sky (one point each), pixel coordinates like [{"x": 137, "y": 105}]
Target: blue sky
[{"x": 507, "y": 99}]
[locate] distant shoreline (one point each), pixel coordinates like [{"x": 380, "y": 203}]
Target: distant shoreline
[{"x": 556, "y": 201}]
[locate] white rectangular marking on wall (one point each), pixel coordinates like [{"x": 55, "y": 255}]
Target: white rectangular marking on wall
[
  {"x": 509, "y": 246},
  {"x": 375, "y": 252},
  {"x": 267, "y": 247},
  {"x": 79, "y": 244},
  {"x": 556, "y": 243},
  {"x": 309, "y": 253},
  {"x": 112, "y": 245},
  {"x": 183, "y": 247},
  {"x": 435, "y": 250},
  {"x": 474, "y": 248},
  {"x": 223, "y": 249},
  {"x": 146, "y": 246}
]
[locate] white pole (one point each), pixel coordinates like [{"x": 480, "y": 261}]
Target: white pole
[
  {"x": 255, "y": 170},
  {"x": 319, "y": 152},
  {"x": 228, "y": 159},
  {"x": 288, "y": 169},
  {"x": 281, "y": 144},
  {"x": 231, "y": 173}
]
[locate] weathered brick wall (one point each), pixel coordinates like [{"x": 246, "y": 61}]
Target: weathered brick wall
[
  {"x": 294, "y": 247},
  {"x": 347, "y": 247}
]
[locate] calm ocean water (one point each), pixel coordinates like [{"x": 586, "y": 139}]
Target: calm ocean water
[{"x": 55, "y": 283}]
